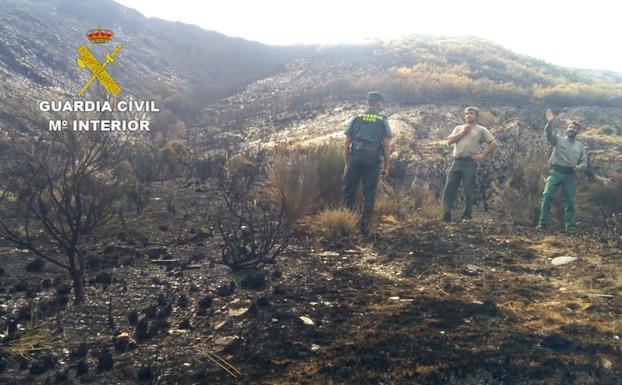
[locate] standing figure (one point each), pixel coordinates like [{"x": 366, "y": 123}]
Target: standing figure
[
  {"x": 567, "y": 158},
  {"x": 467, "y": 140},
  {"x": 367, "y": 147}
]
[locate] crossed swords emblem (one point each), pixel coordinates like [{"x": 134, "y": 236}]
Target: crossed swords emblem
[{"x": 88, "y": 60}]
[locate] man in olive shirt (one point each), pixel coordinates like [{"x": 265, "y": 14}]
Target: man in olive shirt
[
  {"x": 467, "y": 140},
  {"x": 367, "y": 146},
  {"x": 567, "y": 158}
]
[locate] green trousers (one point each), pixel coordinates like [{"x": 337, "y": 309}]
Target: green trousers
[
  {"x": 568, "y": 181},
  {"x": 465, "y": 171}
]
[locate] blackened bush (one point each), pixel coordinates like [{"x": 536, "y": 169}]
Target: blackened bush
[
  {"x": 144, "y": 374},
  {"x": 63, "y": 289},
  {"x": 132, "y": 317},
  {"x": 104, "y": 277},
  {"x": 82, "y": 368},
  {"x": 251, "y": 225},
  {"x": 36, "y": 265},
  {"x": 254, "y": 280},
  {"x": 205, "y": 302},
  {"x": 65, "y": 192}
]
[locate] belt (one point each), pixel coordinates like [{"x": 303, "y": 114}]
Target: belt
[
  {"x": 562, "y": 169},
  {"x": 464, "y": 159}
]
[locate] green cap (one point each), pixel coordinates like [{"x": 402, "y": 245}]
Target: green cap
[{"x": 374, "y": 97}]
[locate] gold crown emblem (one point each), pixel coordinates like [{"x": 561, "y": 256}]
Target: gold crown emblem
[{"x": 99, "y": 35}]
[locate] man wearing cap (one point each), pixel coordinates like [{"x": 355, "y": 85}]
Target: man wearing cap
[
  {"x": 467, "y": 140},
  {"x": 367, "y": 146},
  {"x": 567, "y": 158}
]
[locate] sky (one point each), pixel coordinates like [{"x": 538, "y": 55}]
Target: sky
[{"x": 572, "y": 34}]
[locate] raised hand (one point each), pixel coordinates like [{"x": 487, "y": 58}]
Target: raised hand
[{"x": 549, "y": 115}]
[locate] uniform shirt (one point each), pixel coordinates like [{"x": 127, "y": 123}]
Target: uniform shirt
[
  {"x": 567, "y": 152},
  {"x": 471, "y": 143},
  {"x": 369, "y": 133}
]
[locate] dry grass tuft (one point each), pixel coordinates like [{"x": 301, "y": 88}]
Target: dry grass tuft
[
  {"x": 425, "y": 204},
  {"x": 386, "y": 205},
  {"x": 37, "y": 339},
  {"x": 335, "y": 223}
]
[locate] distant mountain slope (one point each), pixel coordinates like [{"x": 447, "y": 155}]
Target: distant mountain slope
[
  {"x": 414, "y": 70},
  {"x": 209, "y": 80},
  {"x": 38, "y": 42}
]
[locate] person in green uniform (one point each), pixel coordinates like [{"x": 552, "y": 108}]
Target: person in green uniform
[
  {"x": 467, "y": 140},
  {"x": 367, "y": 147},
  {"x": 567, "y": 158}
]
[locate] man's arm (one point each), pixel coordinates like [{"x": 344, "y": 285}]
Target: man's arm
[
  {"x": 550, "y": 136},
  {"x": 485, "y": 137},
  {"x": 386, "y": 147},
  {"x": 581, "y": 164},
  {"x": 455, "y": 137},
  {"x": 346, "y": 148},
  {"x": 491, "y": 145},
  {"x": 548, "y": 129}
]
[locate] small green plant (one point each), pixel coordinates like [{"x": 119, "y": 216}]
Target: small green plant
[{"x": 308, "y": 178}]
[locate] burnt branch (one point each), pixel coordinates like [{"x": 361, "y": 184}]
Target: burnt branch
[{"x": 252, "y": 228}]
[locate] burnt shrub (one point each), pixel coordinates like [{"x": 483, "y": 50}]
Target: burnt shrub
[
  {"x": 252, "y": 225},
  {"x": 36, "y": 265}
]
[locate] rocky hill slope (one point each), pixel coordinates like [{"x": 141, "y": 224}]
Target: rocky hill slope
[{"x": 159, "y": 59}]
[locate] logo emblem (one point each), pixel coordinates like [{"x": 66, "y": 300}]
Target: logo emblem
[
  {"x": 99, "y": 35},
  {"x": 88, "y": 60}
]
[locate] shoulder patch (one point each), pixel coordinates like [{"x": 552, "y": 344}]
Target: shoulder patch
[{"x": 371, "y": 117}]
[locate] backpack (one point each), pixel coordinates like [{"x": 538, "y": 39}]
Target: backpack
[{"x": 367, "y": 137}]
